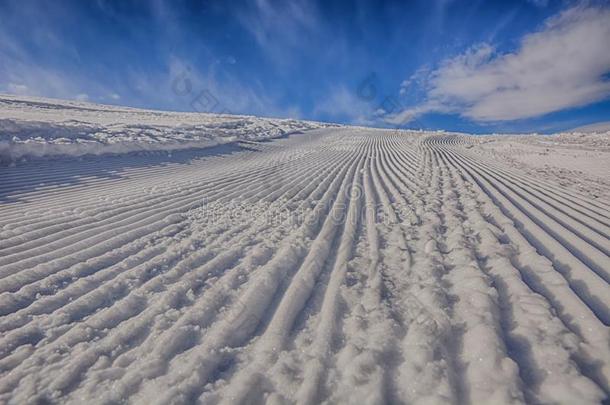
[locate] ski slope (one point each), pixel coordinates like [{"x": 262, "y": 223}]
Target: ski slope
[{"x": 336, "y": 265}]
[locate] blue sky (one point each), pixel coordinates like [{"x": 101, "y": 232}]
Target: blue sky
[{"x": 476, "y": 66}]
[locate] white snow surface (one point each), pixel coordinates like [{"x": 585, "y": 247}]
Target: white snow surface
[
  {"x": 331, "y": 265},
  {"x": 38, "y": 127}
]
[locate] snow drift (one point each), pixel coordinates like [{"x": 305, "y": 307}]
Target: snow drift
[{"x": 35, "y": 127}]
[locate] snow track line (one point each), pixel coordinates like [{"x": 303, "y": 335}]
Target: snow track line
[
  {"x": 577, "y": 237},
  {"x": 244, "y": 318},
  {"x": 233, "y": 174},
  {"x": 483, "y": 350},
  {"x": 114, "y": 224},
  {"x": 566, "y": 234},
  {"x": 549, "y": 186},
  {"x": 347, "y": 265},
  {"x": 589, "y": 285},
  {"x": 565, "y": 214},
  {"x": 553, "y": 190},
  {"x": 526, "y": 315},
  {"x": 563, "y": 200},
  {"x": 304, "y": 189},
  {"x": 541, "y": 277},
  {"x": 31, "y": 294},
  {"x": 191, "y": 190},
  {"x": 296, "y": 295}
]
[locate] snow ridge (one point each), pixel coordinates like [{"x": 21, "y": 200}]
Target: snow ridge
[{"x": 44, "y": 128}]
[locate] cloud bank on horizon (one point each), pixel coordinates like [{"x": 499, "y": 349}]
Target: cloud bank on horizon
[
  {"x": 467, "y": 66},
  {"x": 561, "y": 66}
]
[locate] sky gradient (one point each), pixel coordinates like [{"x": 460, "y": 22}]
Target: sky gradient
[{"x": 473, "y": 66}]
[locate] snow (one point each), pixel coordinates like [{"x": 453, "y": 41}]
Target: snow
[
  {"x": 298, "y": 262},
  {"x": 35, "y": 127},
  {"x": 575, "y": 159}
]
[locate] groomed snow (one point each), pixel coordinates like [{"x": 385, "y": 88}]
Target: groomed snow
[{"x": 332, "y": 265}]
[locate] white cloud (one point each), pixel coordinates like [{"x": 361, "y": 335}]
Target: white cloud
[
  {"x": 559, "y": 67},
  {"x": 280, "y": 27},
  {"x": 596, "y": 127},
  {"x": 539, "y": 3},
  {"x": 29, "y": 79},
  {"x": 215, "y": 90},
  {"x": 18, "y": 88},
  {"x": 22, "y": 73},
  {"x": 343, "y": 103},
  {"x": 411, "y": 114}
]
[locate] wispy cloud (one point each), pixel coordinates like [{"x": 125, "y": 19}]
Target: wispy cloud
[
  {"x": 216, "y": 90},
  {"x": 280, "y": 27},
  {"x": 342, "y": 103},
  {"x": 35, "y": 61},
  {"x": 558, "y": 67},
  {"x": 38, "y": 62}
]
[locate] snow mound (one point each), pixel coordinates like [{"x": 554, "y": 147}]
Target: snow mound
[{"x": 37, "y": 127}]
